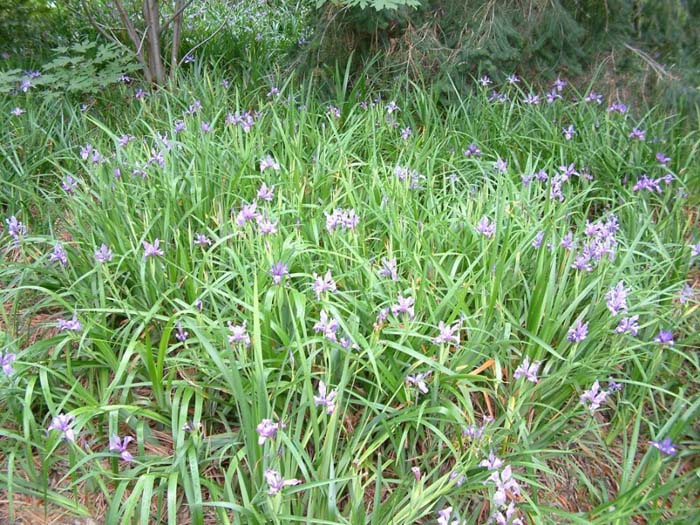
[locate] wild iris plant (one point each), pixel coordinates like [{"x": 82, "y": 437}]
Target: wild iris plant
[{"x": 421, "y": 319}]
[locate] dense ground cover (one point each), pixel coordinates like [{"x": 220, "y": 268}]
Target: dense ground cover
[{"x": 225, "y": 305}]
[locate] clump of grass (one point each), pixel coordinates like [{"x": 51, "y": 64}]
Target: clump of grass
[{"x": 390, "y": 305}]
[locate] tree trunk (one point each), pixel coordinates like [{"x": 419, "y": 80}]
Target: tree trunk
[
  {"x": 177, "y": 37},
  {"x": 151, "y": 15}
]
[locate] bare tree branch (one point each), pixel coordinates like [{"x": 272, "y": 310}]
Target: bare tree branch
[
  {"x": 136, "y": 39},
  {"x": 98, "y": 26},
  {"x": 177, "y": 16}
]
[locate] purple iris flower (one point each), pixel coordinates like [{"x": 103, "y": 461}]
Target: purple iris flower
[
  {"x": 665, "y": 337},
  {"x": 103, "y": 254},
  {"x": 180, "y": 333},
  {"x": 278, "y": 271},
  {"x": 444, "y": 517},
  {"x": 662, "y": 159},
  {"x": 628, "y": 325},
  {"x": 239, "y": 334},
  {"x": 485, "y": 81},
  {"x": 552, "y": 96},
  {"x": 277, "y": 483},
  {"x": 505, "y": 484},
  {"x": 537, "y": 241},
  {"x": 594, "y": 397},
  {"x": 343, "y": 219},
  {"x": 472, "y": 151},
  {"x": 205, "y": 127},
  {"x": 323, "y": 284},
  {"x": 568, "y": 242},
  {"x": 485, "y": 227},
  {"x": 541, "y": 176},
  {"x": 326, "y": 399},
  {"x": 17, "y": 112},
  {"x": 665, "y": 446},
  {"x": 69, "y": 184},
  {"x": 497, "y": 97},
  {"x": 404, "y": 305},
  {"x": 569, "y": 132},
  {"x": 6, "y": 361},
  {"x": 694, "y": 248},
  {"x": 265, "y": 225},
  {"x": 152, "y": 250},
  {"x": 201, "y": 240},
  {"x": 594, "y": 97},
  {"x": 15, "y": 228},
  {"x": 328, "y": 326},
  {"x": 382, "y": 316},
  {"x": 493, "y": 462},
  {"x": 527, "y": 370},
  {"x": 459, "y": 477},
  {"x": 388, "y": 270},
  {"x": 475, "y": 432},
  {"x": 507, "y": 516},
  {"x": 406, "y": 133},
  {"x": 69, "y": 325},
  {"x": 245, "y": 120},
  {"x": 59, "y": 255},
  {"x": 267, "y": 429},
  {"x": 123, "y": 140},
  {"x": 266, "y": 193},
  {"x": 567, "y": 171},
  {"x": 578, "y": 331},
  {"x": 637, "y": 134},
  {"x": 616, "y": 298},
  {"x": 248, "y": 213},
  {"x": 532, "y": 99},
  {"x": 513, "y": 79},
  {"x": 448, "y": 334},
  {"x": 117, "y": 444},
  {"x": 617, "y": 107},
  {"x": 418, "y": 380},
  {"x": 63, "y": 423},
  {"x": 501, "y": 166},
  {"x": 560, "y": 84},
  {"x": 416, "y": 473},
  {"x": 647, "y": 183},
  {"x": 268, "y": 163},
  {"x": 686, "y": 294}
]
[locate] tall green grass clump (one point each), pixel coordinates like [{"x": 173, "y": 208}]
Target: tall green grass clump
[{"x": 228, "y": 306}]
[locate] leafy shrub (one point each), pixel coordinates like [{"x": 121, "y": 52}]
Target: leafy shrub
[{"x": 81, "y": 68}]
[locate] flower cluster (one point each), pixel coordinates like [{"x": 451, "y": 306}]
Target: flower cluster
[
  {"x": 342, "y": 219},
  {"x": 601, "y": 241}
]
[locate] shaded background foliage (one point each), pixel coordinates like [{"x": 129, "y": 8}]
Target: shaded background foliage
[
  {"x": 649, "y": 47},
  {"x": 653, "y": 46},
  {"x": 642, "y": 47}
]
